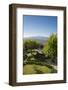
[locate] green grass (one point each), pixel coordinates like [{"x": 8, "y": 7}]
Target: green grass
[
  {"x": 36, "y": 69},
  {"x": 43, "y": 69},
  {"x": 29, "y": 69}
]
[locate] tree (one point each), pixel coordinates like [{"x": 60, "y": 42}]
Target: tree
[
  {"x": 28, "y": 48},
  {"x": 31, "y": 44},
  {"x": 50, "y": 48}
]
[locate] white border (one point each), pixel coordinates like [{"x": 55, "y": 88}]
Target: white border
[{"x": 39, "y": 77}]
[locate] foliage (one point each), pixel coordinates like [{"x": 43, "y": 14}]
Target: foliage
[
  {"x": 31, "y": 44},
  {"x": 38, "y": 58},
  {"x": 50, "y": 48}
]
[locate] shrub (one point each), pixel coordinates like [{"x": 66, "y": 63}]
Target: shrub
[
  {"x": 31, "y": 44},
  {"x": 50, "y": 48}
]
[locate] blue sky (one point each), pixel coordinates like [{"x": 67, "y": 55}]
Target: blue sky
[{"x": 39, "y": 25}]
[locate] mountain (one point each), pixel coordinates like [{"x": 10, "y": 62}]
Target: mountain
[{"x": 40, "y": 39}]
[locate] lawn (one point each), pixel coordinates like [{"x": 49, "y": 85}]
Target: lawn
[{"x": 36, "y": 69}]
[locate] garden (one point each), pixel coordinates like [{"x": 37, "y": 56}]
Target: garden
[{"x": 40, "y": 58}]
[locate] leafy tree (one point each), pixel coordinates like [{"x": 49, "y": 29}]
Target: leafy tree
[
  {"x": 50, "y": 48},
  {"x": 31, "y": 44}
]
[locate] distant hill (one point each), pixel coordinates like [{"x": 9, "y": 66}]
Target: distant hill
[{"x": 40, "y": 39}]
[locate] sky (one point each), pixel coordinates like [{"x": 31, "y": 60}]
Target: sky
[{"x": 39, "y": 25}]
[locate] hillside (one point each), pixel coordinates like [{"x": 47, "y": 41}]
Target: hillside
[{"x": 41, "y": 40}]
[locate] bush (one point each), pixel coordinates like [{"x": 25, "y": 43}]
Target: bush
[
  {"x": 50, "y": 48},
  {"x": 31, "y": 44}
]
